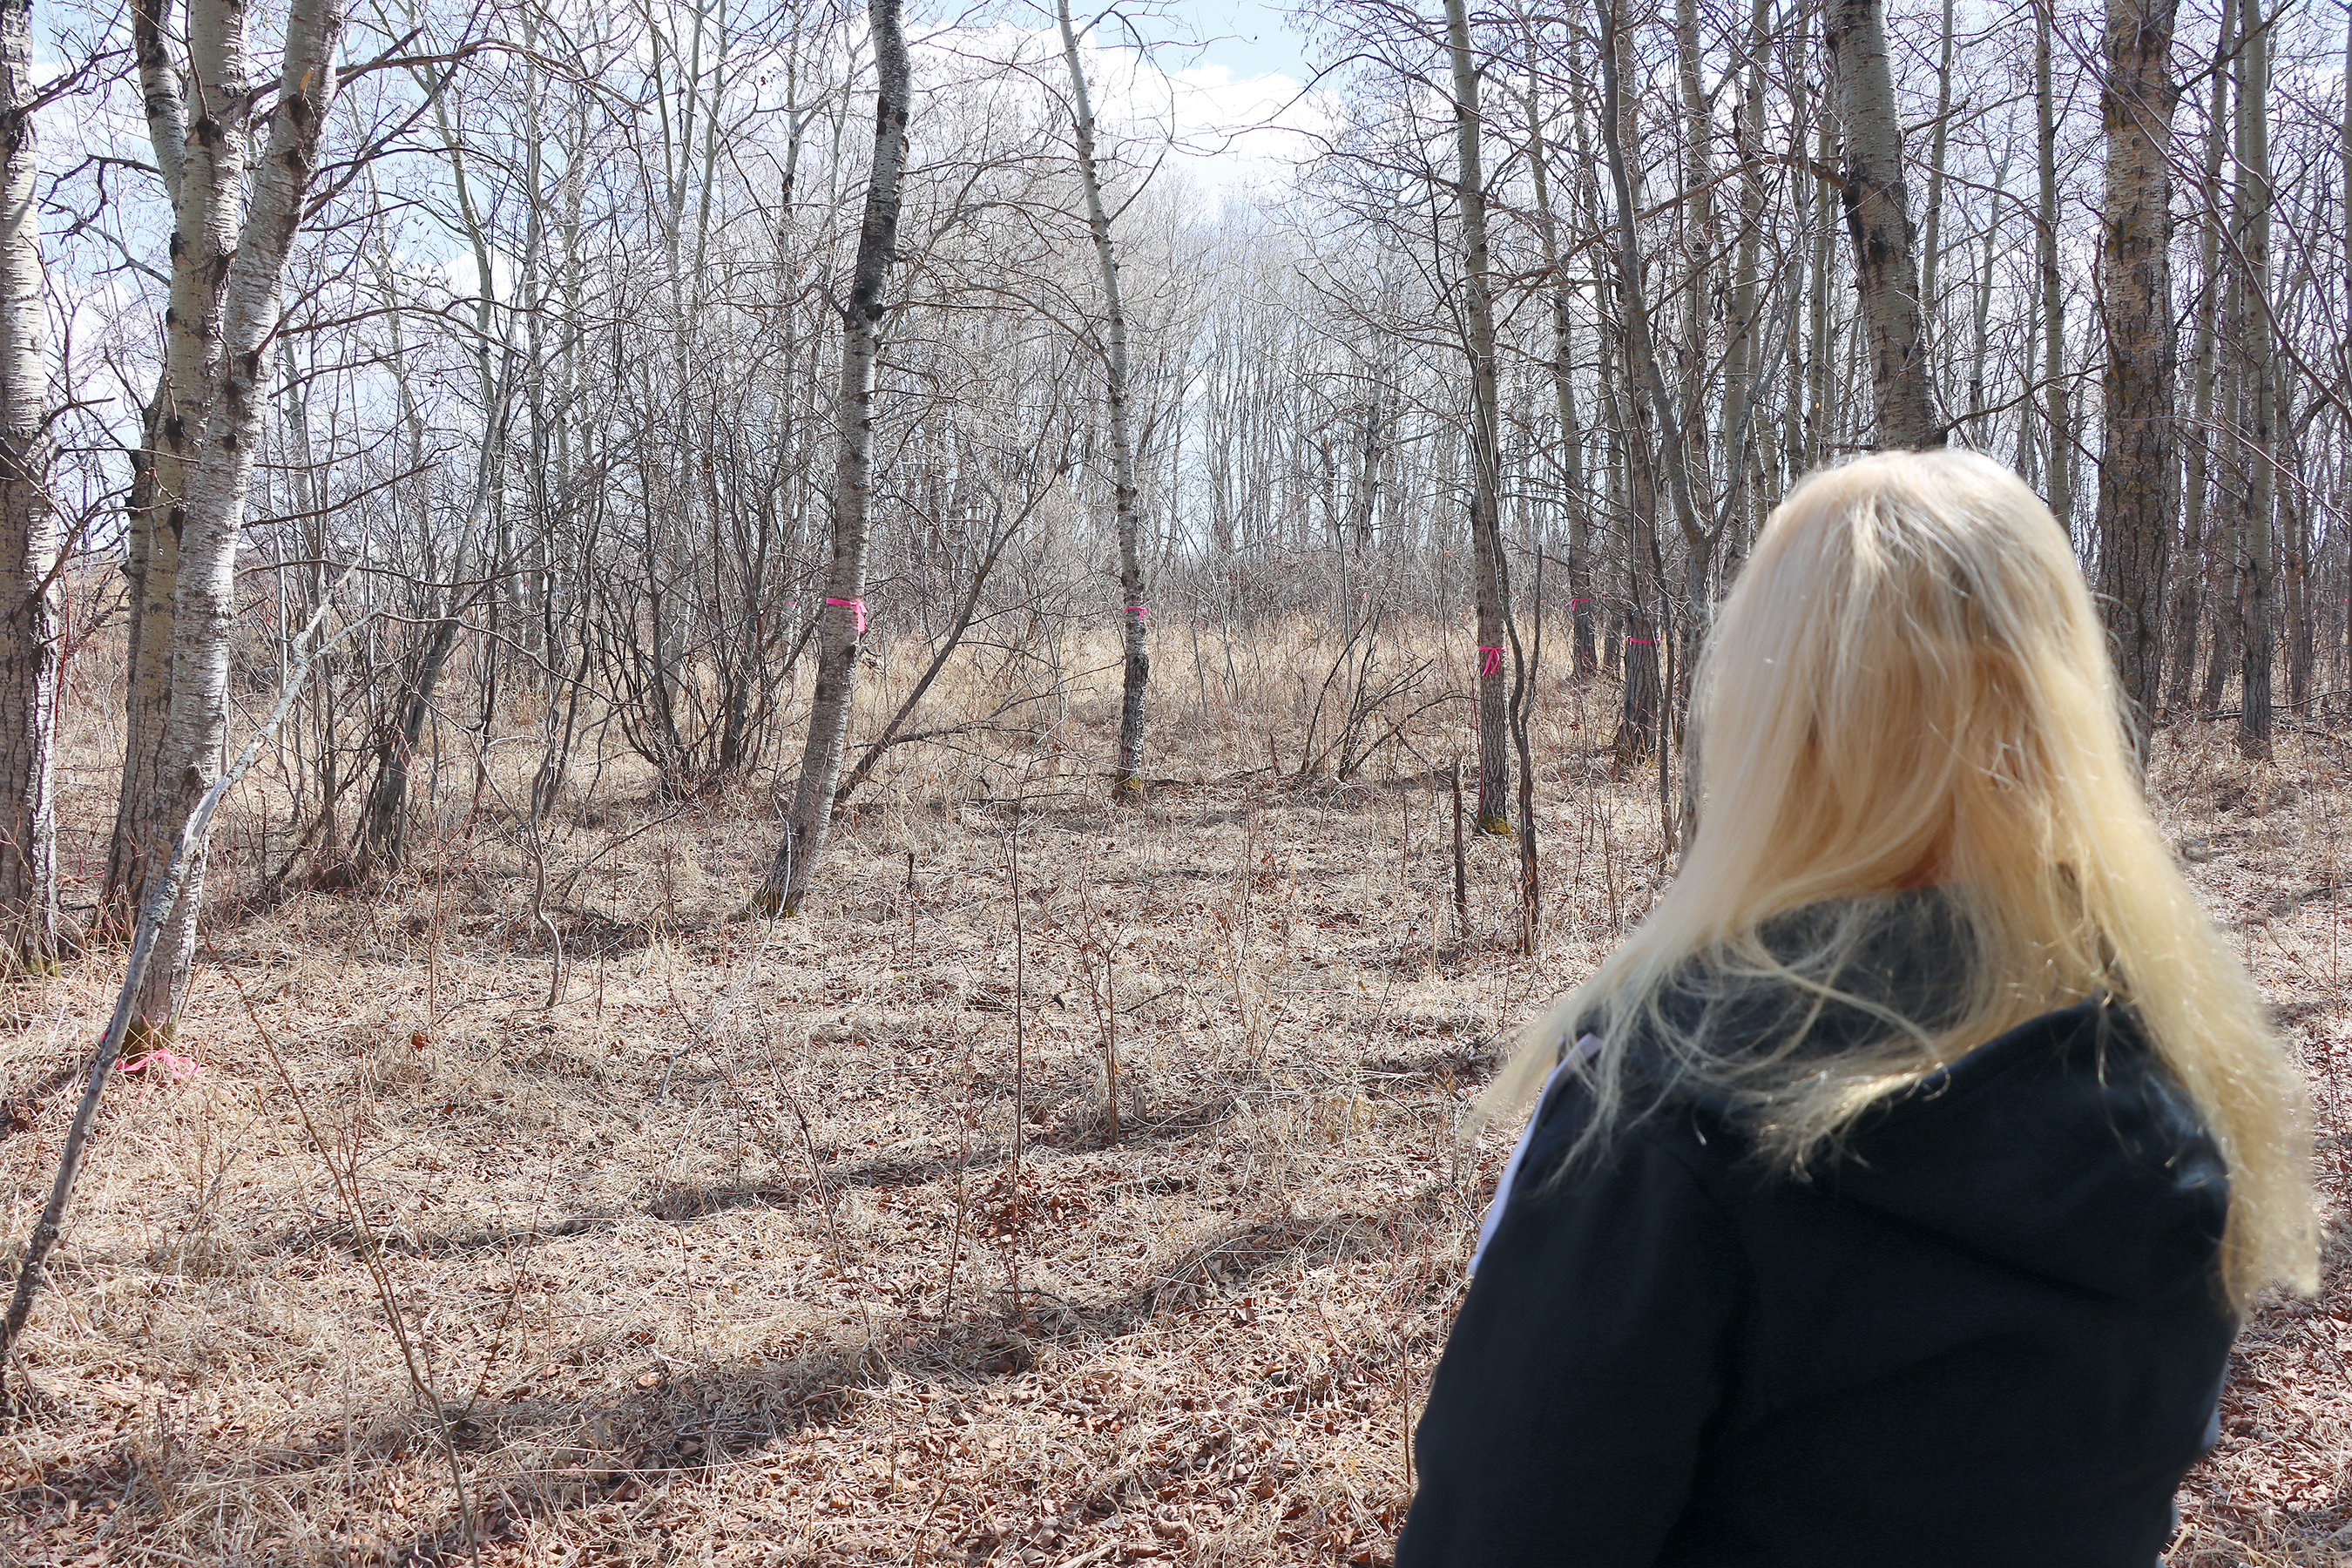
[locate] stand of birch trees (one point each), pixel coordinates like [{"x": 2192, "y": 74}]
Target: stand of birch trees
[{"x": 620, "y": 366}]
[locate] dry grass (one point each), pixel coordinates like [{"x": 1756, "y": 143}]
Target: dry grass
[{"x": 421, "y": 1267}]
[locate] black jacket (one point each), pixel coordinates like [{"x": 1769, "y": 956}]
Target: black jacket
[{"x": 1989, "y": 1335}]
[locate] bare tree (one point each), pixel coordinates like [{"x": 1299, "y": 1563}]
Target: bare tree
[
  {"x": 1127, "y": 772},
  {"x": 1486, "y": 432},
  {"x": 29, "y": 536},
  {"x": 2139, "y": 484},
  {"x": 229, "y": 251},
  {"x": 844, "y": 620},
  {"x": 1879, "y": 221}
]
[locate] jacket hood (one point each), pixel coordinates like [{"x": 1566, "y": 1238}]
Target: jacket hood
[{"x": 2062, "y": 1147}]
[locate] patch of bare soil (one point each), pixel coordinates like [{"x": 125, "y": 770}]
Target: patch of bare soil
[{"x": 827, "y": 1241}]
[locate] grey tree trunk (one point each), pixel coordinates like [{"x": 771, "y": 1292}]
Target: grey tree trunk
[
  {"x": 1127, "y": 775},
  {"x": 229, "y": 255},
  {"x": 1563, "y": 387},
  {"x": 2138, "y": 463},
  {"x": 2193, "y": 581},
  {"x": 1878, "y": 221},
  {"x": 2059, "y": 399},
  {"x": 786, "y": 884},
  {"x": 28, "y": 534},
  {"x": 2251, "y": 230},
  {"x": 1486, "y": 435}
]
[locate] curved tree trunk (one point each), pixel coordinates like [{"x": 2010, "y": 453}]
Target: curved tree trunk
[{"x": 844, "y": 616}]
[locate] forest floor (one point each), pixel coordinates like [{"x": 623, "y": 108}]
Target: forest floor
[{"x": 819, "y": 1241}]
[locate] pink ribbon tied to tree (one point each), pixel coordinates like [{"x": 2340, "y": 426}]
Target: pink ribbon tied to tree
[
  {"x": 857, "y": 608},
  {"x": 1490, "y": 660},
  {"x": 156, "y": 1063}
]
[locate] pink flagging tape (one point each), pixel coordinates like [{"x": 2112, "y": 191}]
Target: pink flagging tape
[
  {"x": 1490, "y": 660},
  {"x": 1141, "y": 609},
  {"x": 171, "y": 1062},
  {"x": 1644, "y": 642},
  {"x": 1580, "y": 601},
  {"x": 856, "y": 607}
]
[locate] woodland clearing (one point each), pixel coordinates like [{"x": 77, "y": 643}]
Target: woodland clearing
[{"x": 815, "y": 1241}]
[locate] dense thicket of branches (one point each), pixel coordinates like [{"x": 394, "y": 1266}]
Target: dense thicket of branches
[{"x": 553, "y": 397}]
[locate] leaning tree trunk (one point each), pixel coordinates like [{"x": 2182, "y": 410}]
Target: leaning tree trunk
[
  {"x": 1126, "y": 776},
  {"x": 29, "y": 535},
  {"x": 843, "y": 616},
  {"x": 239, "y": 293},
  {"x": 2252, "y": 234},
  {"x": 2138, "y": 465},
  {"x": 1486, "y": 436},
  {"x": 1879, "y": 221}
]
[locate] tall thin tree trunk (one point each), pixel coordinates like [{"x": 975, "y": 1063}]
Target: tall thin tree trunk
[
  {"x": 786, "y": 884},
  {"x": 1879, "y": 221},
  {"x": 2138, "y": 463},
  {"x": 232, "y": 283},
  {"x": 28, "y": 534},
  {"x": 1574, "y": 499},
  {"x": 1126, "y": 776},
  {"x": 2059, "y": 398},
  {"x": 2191, "y": 582},
  {"x": 2251, "y": 226},
  {"x": 1485, "y": 436}
]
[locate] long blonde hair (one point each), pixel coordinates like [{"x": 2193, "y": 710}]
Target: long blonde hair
[{"x": 1908, "y": 686}]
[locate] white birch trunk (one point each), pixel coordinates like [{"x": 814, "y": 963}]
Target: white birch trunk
[
  {"x": 29, "y": 535},
  {"x": 1126, "y": 776},
  {"x": 843, "y": 616},
  {"x": 235, "y": 298}
]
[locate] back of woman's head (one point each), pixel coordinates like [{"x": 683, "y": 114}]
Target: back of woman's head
[
  {"x": 1909, "y": 687},
  {"x": 1907, "y": 684}
]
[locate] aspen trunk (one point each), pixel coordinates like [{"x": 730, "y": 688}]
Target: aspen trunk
[
  {"x": 844, "y": 616},
  {"x": 1127, "y": 775},
  {"x": 231, "y": 277},
  {"x": 29, "y": 535},
  {"x": 2252, "y": 225},
  {"x": 2059, "y": 397},
  {"x": 2193, "y": 582},
  {"x": 1878, "y": 221},
  {"x": 2138, "y": 465},
  {"x": 1485, "y": 436},
  {"x": 1564, "y": 390}
]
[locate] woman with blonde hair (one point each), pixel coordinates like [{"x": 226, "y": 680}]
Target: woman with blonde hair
[{"x": 1894, "y": 1192}]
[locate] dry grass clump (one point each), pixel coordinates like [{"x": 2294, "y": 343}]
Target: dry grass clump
[{"x": 817, "y": 1242}]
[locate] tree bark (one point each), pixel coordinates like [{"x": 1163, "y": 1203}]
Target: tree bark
[
  {"x": 1486, "y": 435},
  {"x": 2138, "y": 464},
  {"x": 2191, "y": 582},
  {"x": 28, "y": 534},
  {"x": 843, "y": 616},
  {"x": 2252, "y": 228},
  {"x": 1127, "y": 775},
  {"x": 1878, "y": 221},
  {"x": 2059, "y": 398},
  {"x": 227, "y": 281}
]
